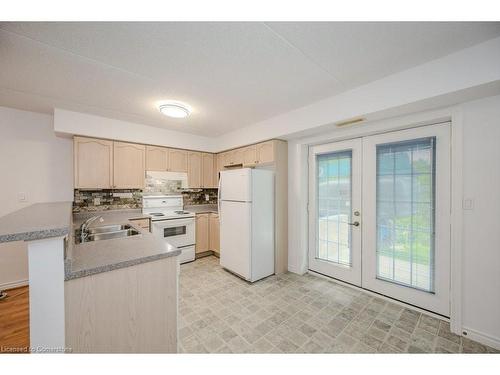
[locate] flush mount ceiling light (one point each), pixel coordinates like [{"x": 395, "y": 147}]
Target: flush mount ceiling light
[{"x": 174, "y": 109}]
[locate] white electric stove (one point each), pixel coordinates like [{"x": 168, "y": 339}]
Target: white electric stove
[{"x": 171, "y": 223}]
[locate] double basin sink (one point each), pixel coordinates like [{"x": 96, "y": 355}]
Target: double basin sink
[{"x": 105, "y": 232}]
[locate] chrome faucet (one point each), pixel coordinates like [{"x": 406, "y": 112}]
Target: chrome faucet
[{"x": 85, "y": 225}]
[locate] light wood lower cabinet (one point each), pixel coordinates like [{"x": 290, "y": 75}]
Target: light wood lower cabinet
[
  {"x": 129, "y": 165},
  {"x": 207, "y": 233},
  {"x": 214, "y": 241},
  {"x": 93, "y": 163},
  {"x": 128, "y": 310},
  {"x": 202, "y": 233}
]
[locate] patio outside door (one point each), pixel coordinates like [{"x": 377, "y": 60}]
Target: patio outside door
[
  {"x": 335, "y": 209},
  {"x": 401, "y": 247}
]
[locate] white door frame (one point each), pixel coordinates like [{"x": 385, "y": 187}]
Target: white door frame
[
  {"x": 439, "y": 301},
  {"x": 350, "y": 274}
]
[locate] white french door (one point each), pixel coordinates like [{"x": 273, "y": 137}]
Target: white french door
[
  {"x": 334, "y": 210},
  {"x": 401, "y": 247}
]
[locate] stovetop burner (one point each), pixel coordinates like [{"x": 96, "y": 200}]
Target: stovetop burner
[
  {"x": 156, "y": 214},
  {"x": 181, "y": 212}
]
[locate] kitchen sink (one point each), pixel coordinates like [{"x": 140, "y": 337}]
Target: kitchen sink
[
  {"x": 111, "y": 235},
  {"x": 108, "y": 228},
  {"x": 106, "y": 232}
]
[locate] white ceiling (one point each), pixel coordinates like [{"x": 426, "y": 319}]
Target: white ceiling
[{"x": 232, "y": 74}]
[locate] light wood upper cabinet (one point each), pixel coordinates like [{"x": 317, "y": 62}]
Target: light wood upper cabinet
[
  {"x": 156, "y": 158},
  {"x": 195, "y": 169},
  {"x": 230, "y": 158},
  {"x": 202, "y": 233},
  {"x": 247, "y": 156},
  {"x": 224, "y": 159},
  {"x": 103, "y": 164},
  {"x": 214, "y": 240},
  {"x": 238, "y": 156},
  {"x": 177, "y": 160},
  {"x": 93, "y": 163},
  {"x": 207, "y": 170},
  {"x": 265, "y": 152},
  {"x": 129, "y": 165},
  {"x": 216, "y": 170},
  {"x": 250, "y": 155},
  {"x": 233, "y": 157}
]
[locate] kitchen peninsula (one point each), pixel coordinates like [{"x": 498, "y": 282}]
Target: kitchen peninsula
[{"x": 103, "y": 295}]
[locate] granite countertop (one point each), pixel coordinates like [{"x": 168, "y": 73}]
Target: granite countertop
[
  {"x": 202, "y": 208},
  {"x": 110, "y": 215},
  {"x": 36, "y": 222},
  {"x": 55, "y": 219},
  {"x": 90, "y": 258}
]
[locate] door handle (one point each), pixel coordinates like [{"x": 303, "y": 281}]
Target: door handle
[{"x": 356, "y": 224}]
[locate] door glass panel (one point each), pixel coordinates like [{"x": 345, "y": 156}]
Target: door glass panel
[
  {"x": 405, "y": 213},
  {"x": 334, "y": 207}
]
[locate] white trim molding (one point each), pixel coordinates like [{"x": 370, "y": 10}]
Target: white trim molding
[
  {"x": 298, "y": 189},
  {"x": 481, "y": 337},
  {"x": 14, "y": 284},
  {"x": 456, "y": 268}
]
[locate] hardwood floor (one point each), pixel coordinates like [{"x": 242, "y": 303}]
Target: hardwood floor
[{"x": 14, "y": 321}]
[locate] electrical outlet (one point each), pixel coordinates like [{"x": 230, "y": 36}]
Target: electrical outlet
[
  {"x": 207, "y": 197},
  {"x": 97, "y": 201},
  {"x": 22, "y": 197}
]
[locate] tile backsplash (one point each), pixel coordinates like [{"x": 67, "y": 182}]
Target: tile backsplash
[
  {"x": 192, "y": 198},
  {"x": 102, "y": 200}
]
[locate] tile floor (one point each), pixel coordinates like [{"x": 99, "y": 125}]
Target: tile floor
[{"x": 220, "y": 313}]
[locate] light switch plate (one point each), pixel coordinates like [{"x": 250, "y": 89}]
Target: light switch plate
[
  {"x": 97, "y": 201},
  {"x": 21, "y": 197},
  {"x": 468, "y": 204}
]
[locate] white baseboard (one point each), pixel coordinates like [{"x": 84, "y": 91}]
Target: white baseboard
[
  {"x": 13, "y": 284},
  {"x": 293, "y": 269},
  {"x": 482, "y": 338}
]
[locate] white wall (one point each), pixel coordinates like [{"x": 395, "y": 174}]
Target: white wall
[
  {"x": 470, "y": 73},
  {"x": 76, "y": 123},
  {"x": 36, "y": 162},
  {"x": 481, "y": 225},
  {"x": 446, "y": 81}
]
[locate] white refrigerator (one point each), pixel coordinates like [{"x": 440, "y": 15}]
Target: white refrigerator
[{"x": 246, "y": 214}]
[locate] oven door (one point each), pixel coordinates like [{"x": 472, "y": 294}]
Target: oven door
[{"x": 177, "y": 232}]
